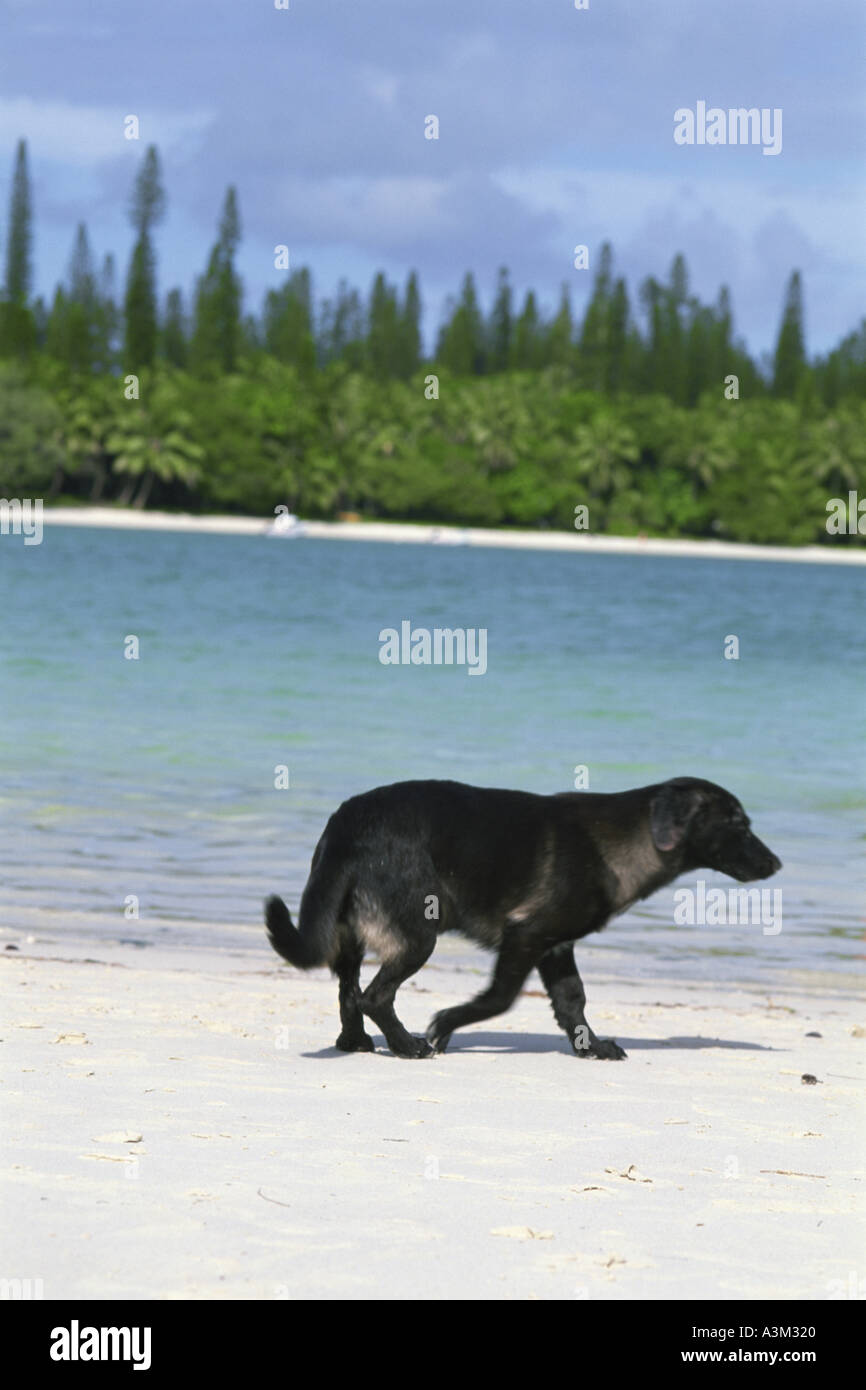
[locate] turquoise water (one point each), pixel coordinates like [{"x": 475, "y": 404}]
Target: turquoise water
[{"x": 155, "y": 777}]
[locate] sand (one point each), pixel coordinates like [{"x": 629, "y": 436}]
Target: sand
[
  {"x": 404, "y": 533},
  {"x": 177, "y": 1124}
]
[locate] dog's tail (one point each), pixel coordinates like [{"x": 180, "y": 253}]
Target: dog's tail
[{"x": 311, "y": 942}]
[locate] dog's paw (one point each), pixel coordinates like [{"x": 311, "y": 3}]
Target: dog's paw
[
  {"x": 355, "y": 1042},
  {"x": 436, "y": 1036},
  {"x": 601, "y": 1049}
]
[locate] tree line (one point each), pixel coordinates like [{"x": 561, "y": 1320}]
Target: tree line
[{"x": 332, "y": 406}]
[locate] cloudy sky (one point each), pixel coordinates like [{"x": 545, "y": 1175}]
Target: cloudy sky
[{"x": 555, "y": 128}]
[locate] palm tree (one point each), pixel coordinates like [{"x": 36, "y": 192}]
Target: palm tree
[
  {"x": 89, "y": 409},
  {"x": 151, "y": 441},
  {"x": 604, "y": 451}
]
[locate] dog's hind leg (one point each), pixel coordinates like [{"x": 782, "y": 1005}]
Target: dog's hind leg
[
  {"x": 516, "y": 959},
  {"x": 568, "y": 997},
  {"x": 347, "y": 968},
  {"x": 377, "y": 1001}
]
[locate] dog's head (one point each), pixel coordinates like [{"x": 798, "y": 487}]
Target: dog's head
[{"x": 708, "y": 828}]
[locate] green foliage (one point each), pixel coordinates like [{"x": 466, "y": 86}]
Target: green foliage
[
  {"x": 522, "y": 448},
  {"x": 31, "y": 448},
  {"x": 324, "y": 408}
]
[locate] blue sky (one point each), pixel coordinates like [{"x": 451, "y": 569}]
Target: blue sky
[{"x": 556, "y": 128}]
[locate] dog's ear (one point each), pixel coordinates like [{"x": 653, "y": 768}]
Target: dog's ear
[{"x": 672, "y": 811}]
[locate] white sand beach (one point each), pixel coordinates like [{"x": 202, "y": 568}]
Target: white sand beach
[
  {"x": 405, "y": 533},
  {"x": 178, "y": 1125}
]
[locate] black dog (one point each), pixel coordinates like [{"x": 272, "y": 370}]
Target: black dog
[{"x": 522, "y": 874}]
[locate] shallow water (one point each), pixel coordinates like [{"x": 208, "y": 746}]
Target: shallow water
[{"x": 155, "y": 777}]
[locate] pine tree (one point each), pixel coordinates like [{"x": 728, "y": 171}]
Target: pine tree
[
  {"x": 341, "y": 335},
  {"x": 700, "y": 373},
  {"x": 724, "y": 320},
  {"x": 383, "y": 330},
  {"x": 56, "y": 327},
  {"x": 251, "y": 338},
  {"x": 19, "y": 241},
  {"x": 679, "y": 282},
  {"x": 653, "y": 367},
  {"x": 617, "y": 338},
  {"x": 229, "y": 292},
  {"x": 790, "y": 358},
  {"x": 217, "y": 330},
  {"x": 40, "y": 321},
  {"x": 461, "y": 339},
  {"x": 719, "y": 349},
  {"x": 595, "y": 330},
  {"x": 499, "y": 325},
  {"x": 82, "y": 317},
  {"x": 674, "y": 331},
  {"x": 528, "y": 339},
  {"x": 146, "y": 209},
  {"x": 108, "y": 317},
  {"x": 410, "y": 328},
  {"x": 634, "y": 361},
  {"x": 560, "y": 345},
  {"x": 287, "y": 321},
  {"x": 174, "y": 345},
  {"x": 17, "y": 326},
  {"x": 842, "y": 373},
  {"x": 139, "y": 308}
]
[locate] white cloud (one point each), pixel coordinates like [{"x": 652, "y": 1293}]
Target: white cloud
[
  {"x": 625, "y": 199},
  {"x": 87, "y": 135}
]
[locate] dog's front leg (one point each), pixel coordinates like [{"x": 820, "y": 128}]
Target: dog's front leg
[{"x": 568, "y": 997}]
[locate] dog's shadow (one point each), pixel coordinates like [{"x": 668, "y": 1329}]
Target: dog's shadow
[{"x": 547, "y": 1042}]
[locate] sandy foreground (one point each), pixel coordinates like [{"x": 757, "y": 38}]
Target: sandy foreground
[
  {"x": 177, "y": 1124},
  {"x": 406, "y": 533}
]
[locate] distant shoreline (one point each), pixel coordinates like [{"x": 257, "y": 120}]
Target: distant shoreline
[{"x": 583, "y": 543}]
